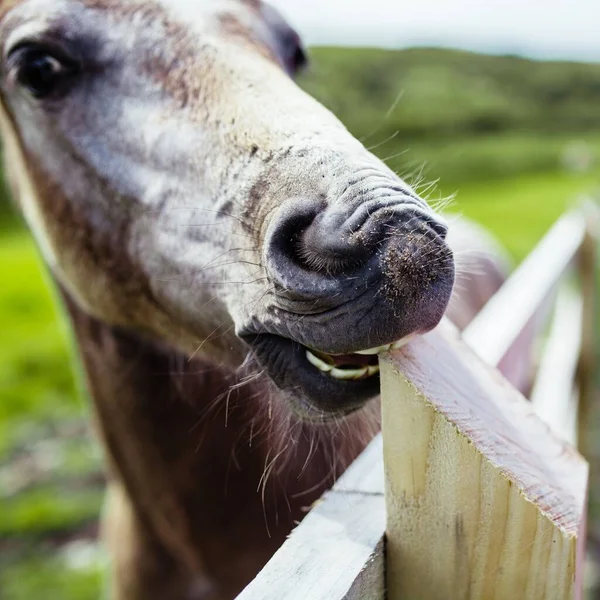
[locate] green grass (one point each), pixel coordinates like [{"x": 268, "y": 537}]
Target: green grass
[
  {"x": 520, "y": 210},
  {"x": 44, "y": 511},
  {"x": 486, "y": 158},
  {"x": 35, "y": 373},
  {"x": 53, "y": 576},
  {"x": 50, "y": 486}
]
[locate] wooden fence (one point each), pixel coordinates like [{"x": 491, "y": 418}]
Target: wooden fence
[{"x": 471, "y": 491}]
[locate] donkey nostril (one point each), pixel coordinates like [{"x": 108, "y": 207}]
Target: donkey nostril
[
  {"x": 327, "y": 246},
  {"x": 290, "y": 266},
  {"x": 308, "y": 253},
  {"x": 307, "y": 236},
  {"x": 301, "y": 241},
  {"x": 324, "y": 257}
]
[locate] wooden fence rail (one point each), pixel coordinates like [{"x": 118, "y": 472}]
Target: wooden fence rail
[{"x": 481, "y": 494}]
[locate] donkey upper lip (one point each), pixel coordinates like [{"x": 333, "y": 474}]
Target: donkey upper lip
[{"x": 375, "y": 350}]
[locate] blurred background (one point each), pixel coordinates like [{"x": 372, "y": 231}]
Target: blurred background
[{"x": 492, "y": 104}]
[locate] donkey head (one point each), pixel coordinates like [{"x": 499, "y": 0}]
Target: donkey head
[{"x": 180, "y": 184}]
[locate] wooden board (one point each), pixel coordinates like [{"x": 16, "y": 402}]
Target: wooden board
[
  {"x": 515, "y": 308},
  {"x": 336, "y": 553},
  {"x": 483, "y": 500},
  {"x": 554, "y": 396}
]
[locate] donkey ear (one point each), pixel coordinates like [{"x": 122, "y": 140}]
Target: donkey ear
[{"x": 283, "y": 40}]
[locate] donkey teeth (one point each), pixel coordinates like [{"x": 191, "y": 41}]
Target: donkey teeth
[
  {"x": 315, "y": 361},
  {"x": 386, "y": 347},
  {"x": 336, "y": 373},
  {"x": 349, "y": 373}
]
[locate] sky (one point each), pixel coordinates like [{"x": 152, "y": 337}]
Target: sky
[{"x": 547, "y": 29}]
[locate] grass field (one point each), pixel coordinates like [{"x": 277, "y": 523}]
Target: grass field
[
  {"x": 50, "y": 483},
  {"x": 512, "y": 181}
]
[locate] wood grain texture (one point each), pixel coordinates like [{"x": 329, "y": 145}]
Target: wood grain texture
[
  {"x": 483, "y": 500},
  {"x": 337, "y": 551},
  {"x": 365, "y": 474}
]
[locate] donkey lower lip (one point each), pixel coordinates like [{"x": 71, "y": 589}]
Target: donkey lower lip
[
  {"x": 310, "y": 391},
  {"x": 316, "y": 383}
]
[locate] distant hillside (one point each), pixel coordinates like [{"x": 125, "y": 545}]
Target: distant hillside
[
  {"x": 461, "y": 116},
  {"x": 445, "y": 92}
]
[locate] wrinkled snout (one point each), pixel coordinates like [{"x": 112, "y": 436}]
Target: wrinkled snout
[{"x": 370, "y": 273}]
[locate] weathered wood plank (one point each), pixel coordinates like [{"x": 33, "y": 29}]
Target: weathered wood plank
[
  {"x": 515, "y": 306},
  {"x": 336, "y": 553},
  {"x": 483, "y": 500},
  {"x": 554, "y": 396}
]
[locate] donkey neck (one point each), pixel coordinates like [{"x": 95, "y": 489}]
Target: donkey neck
[{"x": 219, "y": 474}]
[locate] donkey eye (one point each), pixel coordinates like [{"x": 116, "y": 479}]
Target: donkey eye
[{"x": 42, "y": 73}]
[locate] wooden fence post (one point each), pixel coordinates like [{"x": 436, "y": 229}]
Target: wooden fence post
[{"x": 483, "y": 500}]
